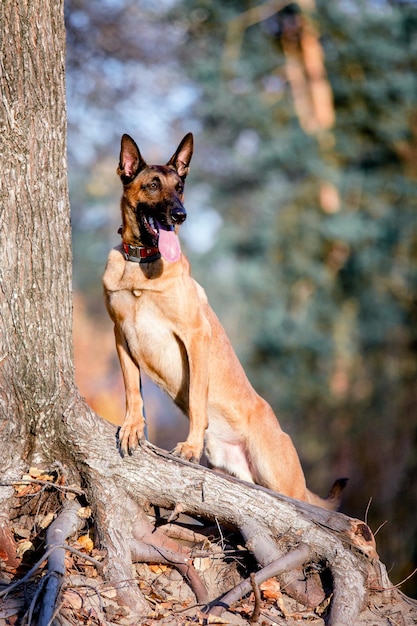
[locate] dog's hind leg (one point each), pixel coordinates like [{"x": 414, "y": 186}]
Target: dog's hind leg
[
  {"x": 273, "y": 458},
  {"x": 228, "y": 457}
]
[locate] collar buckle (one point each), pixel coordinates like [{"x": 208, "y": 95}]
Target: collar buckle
[{"x": 140, "y": 254}]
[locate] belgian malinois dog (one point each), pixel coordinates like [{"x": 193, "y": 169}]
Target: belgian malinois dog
[{"x": 165, "y": 326}]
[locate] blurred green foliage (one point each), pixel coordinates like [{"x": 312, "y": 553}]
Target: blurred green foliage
[{"x": 317, "y": 292}]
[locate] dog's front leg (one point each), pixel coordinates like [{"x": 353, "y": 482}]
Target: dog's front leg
[
  {"x": 197, "y": 346},
  {"x": 132, "y": 430}
]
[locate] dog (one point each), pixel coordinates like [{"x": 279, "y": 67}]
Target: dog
[{"x": 165, "y": 326}]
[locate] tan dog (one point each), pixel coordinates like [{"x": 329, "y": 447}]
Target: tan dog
[{"x": 164, "y": 325}]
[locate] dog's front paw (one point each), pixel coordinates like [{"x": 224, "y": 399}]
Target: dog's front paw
[
  {"x": 188, "y": 451},
  {"x": 129, "y": 437}
]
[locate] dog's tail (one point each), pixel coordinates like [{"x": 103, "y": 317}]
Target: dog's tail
[{"x": 334, "y": 497}]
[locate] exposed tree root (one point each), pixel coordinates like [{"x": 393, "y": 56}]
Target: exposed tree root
[
  {"x": 308, "y": 591},
  {"x": 114, "y": 525},
  {"x": 271, "y": 524},
  {"x": 65, "y": 525},
  {"x": 283, "y": 535},
  {"x": 45, "y": 599},
  {"x": 153, "y": 476},
  {"x": 161, "y": 549},
  {"x": 286, "y": 563}
]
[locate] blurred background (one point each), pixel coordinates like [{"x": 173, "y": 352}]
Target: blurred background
[{"x": 302, "y": 217}]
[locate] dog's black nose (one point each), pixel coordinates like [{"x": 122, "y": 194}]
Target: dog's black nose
[{"x": 178, "y": 215}]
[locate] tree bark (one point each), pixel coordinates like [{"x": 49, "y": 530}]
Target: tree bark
[
  {"x": 36, "y": 373},
  {"x": 42, "y": 416}
]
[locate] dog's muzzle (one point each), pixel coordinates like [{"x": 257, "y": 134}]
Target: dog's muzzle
[{"x": 178, "y": 215}]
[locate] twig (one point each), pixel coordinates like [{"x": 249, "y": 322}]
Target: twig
[
  {"x": 38, "y": 591},
  {"x": 222, "y": 540},
  {"x": 178, "y": 509},
  {"x": 29, "y": 574},
  {"x": 72, "y": 587},
  {"x": 379, "y": 527},
  {"x": 398, "y": 585},
  {"x": 45, "y": 483},
  {"x": 368, "y": 506},
  {"x": 82, "y": 555},
  {"x": 45, "y": 556},
  {"x": 257, "y": 594},
  {"x": 377, "y": 587}
]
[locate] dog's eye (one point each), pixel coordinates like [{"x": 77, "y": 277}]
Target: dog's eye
[
  {"x": 180, "y": 188},
  {"x": 152, "y": 185}
]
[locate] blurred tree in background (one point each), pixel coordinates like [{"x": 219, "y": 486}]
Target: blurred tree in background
[{"x": 302, "y": 208}]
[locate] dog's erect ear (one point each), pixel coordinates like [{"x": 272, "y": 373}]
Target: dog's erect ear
[
  {"x": 131, "y": 161},
  {"x": 180, "y": 161}
]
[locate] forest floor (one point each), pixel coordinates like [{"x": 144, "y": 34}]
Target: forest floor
[{"x": 218, "y": 555}]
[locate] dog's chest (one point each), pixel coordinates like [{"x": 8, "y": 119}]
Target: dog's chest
[
  {"x": 147, "y": 324},
  {"x": 153, "y": 342}
]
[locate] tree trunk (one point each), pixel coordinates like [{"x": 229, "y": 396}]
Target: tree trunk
[
  {"x": 36, "y": 373},
  {"x": 44, "y": 420}
]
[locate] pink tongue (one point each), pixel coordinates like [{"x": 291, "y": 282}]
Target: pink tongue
[{"x": 168, "y": 245}]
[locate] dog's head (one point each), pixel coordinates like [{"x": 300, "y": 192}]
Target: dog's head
[{"x": 152, "y": 201}]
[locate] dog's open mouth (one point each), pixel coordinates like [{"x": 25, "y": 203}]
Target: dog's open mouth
[{"x": 166, "y": 238}]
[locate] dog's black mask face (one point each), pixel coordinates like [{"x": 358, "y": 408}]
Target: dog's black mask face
[
  {"x": 153, "y": 194},
  {"x": 160, "y": 193}
]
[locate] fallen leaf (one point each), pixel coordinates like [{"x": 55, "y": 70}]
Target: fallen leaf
[
  {"x": 35, "y": 472},
  {"x": 109, "y": 593},
  {"x": 86, "y": 543},
  {"x": 47, "y": 478},
  {"x": 45, "y": 521},
  {"x": 84, "y": 512},
  {"x": 90, "y": 570},
  {"x": 202, "y": 564},
  {"x": 24, "y": 490},
  {"x": 214, "y": 619},
  {"x": 23, "y": 547},
  {"x": 39, "y": 474},
  {"x": 247, "y": 609},
  {"x": 69, "y": 562},
  {"x": 24, "y": 533},
  {"x": 158, "y": 569},
  {"x": 271, "y": 589},
  {"x": 99, "y": 554}
]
